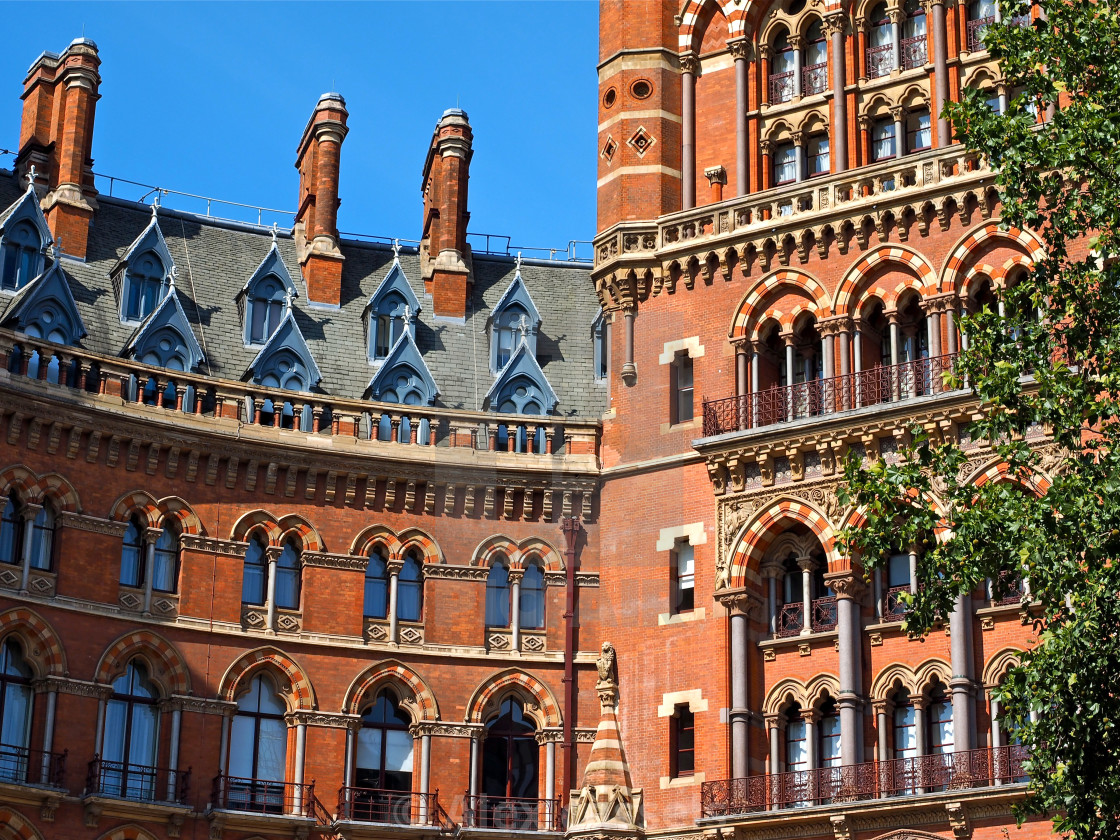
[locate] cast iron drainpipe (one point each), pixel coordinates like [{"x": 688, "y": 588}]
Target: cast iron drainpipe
[{"x": 571, "y": 536}]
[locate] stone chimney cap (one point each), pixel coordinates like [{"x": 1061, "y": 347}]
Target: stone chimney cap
[
  {"x": 84, "y": 42},
  {"x": 332, "y": 96},
  {"x": 454, "y": 112}
]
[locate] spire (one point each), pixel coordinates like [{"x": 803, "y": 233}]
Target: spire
[{"x": 606, "y": 801}]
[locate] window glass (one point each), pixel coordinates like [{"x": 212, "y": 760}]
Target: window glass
[
  {"x": 376, "y": 603},
  {"x": 254, "y": 574},
  {"x": 830, "y": 737},
  {"x": 20, "y": 256},
  {"x": 16, "y": 703},
  {"x": 410, "y": 589},
  {"x": 509, "y": 761},
  {"x": 785, "y": 163},
  {"x": 682, "y": 370},
  {"x": 497, "y": 596},
  {"x": 797, "y": 748},
  {"x": 132, "y": 554},
  {"x": 898, "y": 571},
  {"x": 685, "y": 599},
  {"x": 684, "y": 723},
  {"x": 918, "y": 135},
  {"x": 11, "y": 532},
  {"x": 130, "y": 739},
  {"x": 816, "y": 48},
  {"x": 819, "y": 160},
  {"x": 532, "y": 597},
  {"x": 905, "y": 735},
  {"x": 914, "y": 25},
  {"x": 940, "y": 725},
  {"x": 42, "y": 539},
  {"x": 288, "y": 578},
  {"x": 882, "y": 140},
  {"x": 882, "y": 30},
  {"x": 259, "y": 739},
  {"x": 165, "y": 571},
  {"x": 383, "y": 759},
  {"x": 782, "y": 61}
]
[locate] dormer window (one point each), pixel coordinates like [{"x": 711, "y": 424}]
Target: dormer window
[
  {"x": 505, "y": 335},
  {"x": 266, "y": 308},
  {"x": 515, "y": 319},
  {"x": 144, "y": 282},
  {"x": 21, "y": 258},
  {"x": 391, "y": 311},
  {"x": 388, "y": 324}
]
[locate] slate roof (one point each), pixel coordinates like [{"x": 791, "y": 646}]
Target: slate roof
[{"x": 216, "y": 259}]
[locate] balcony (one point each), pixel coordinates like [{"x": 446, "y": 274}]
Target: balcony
[
  {"x": 976, "y": 32},
  {"x": 880, "y": 61},
  {"x": 914, "y": 52},
  {"x": 900, "y": 777},
  {"x": 814, "y": 79},
  {"x": 36, "y": 768},
  {"x": 781, "y": 87},
  {"x": 790, "y": 621},
  {"x": 513, "y": 813},
  {"x": 885, "y": 384},
  {"x": 391, "y": 807},
  {"x": 262, "y": 796},
  {"x": 824, "y": 614},
  {"x": 137, "y": 782},
  {"x": 894, "y": 604}
]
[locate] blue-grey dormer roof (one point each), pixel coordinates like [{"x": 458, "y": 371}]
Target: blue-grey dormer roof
[
  {"x": 26, "y": 208},
  {"x": 165, "y": 337},
  {"x": 285, "y": 361},
  {"x": 273, "y": 264},
  {"x": 522, "y": 383},
  {"x": 395, "y": 283},
  {"x": 516, "y": 294},
  {"x": 45, "y": 308},
  {"x": 150, "y": 239},
  {"x": 404, "y": 373}
]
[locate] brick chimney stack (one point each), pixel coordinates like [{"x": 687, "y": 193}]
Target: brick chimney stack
[
  {"x": 316, "y": 226},
  {"x": 444, "y": 241},
  {"x": 56, "y": 137}
]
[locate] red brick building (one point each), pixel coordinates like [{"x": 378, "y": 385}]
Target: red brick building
[{"x": 310, "y": 535}]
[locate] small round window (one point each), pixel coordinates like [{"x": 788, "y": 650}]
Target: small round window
[
  {"x": 610, "y": 97},
  {"x": 641, "y": 89}
]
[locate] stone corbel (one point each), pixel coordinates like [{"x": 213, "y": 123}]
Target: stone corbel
[{"x": 958, "y": 821}]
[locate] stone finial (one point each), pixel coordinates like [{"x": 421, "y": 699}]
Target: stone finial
[
  {"x": 396, "y": 249},
  {"x": 31, "y": 176},
  {"x": 608, "y": 674}
]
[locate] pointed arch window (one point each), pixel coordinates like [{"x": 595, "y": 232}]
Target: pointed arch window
[
  {"x": 506, "y": 327},
  {"x": 880, "y": 43},
  {"x": 497, "y": 595},
  {"x": 254, "y": 577},
  {"x": 940, "y": 717},
  {"x": 883, "y": 140},
  {"x": 387, "y": 323},
  {"x": 383, "y": 761},
  {"x": 914, "y": 52},
  {"x": 42, "y": 539},
  {"x": 266, "y": 308},
  {"x": 509, "y": 762},
  {"x": 410, "y": 588},
  {"x": 165, "y": 566},
  {"x": 132, "y": 554},
  {"x": 11, "y": 531},
  {"x": 21, "y": 256},
  {"x": 782, "y": 66},
  {"x": 918, "y": 134},
  {"x": 531, "y": 605},
  {"x": 144, "y": 281},
  {"x": 258, "y": 748},
  {"x": 288, "y": 578},
  {"x": 797, "y": 743},
  {"x": 16, "y": 706},
  {"x": 131, "y": 737},
  {"x": 829, "y": 734},
  {"x": 376, "y": 601},
  {"x": 814, "y": 72},
  {"x": 905, "y": 726}
]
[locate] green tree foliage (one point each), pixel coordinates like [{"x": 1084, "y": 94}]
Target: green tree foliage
[{"x": 1060, "y": 372}]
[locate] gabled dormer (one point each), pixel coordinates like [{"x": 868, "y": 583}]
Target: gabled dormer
[
  {"x": 265, "y": 298},
  {"x": 285, "y": 361},
  {"x": 514, "y": 316},
  {"x": 392, "y": 308},
  {"x": 404, "y": 378},
  {"x": 143, "y": 275},
  {"x": 24, "y": 240},
  {"x": 522, "y": 387},
  {"x": 165, "y": 338},
  {"x": 45, "y": 308}
]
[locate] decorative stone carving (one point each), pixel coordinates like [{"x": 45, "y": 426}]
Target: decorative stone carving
[{"x": 607, "y": 683}]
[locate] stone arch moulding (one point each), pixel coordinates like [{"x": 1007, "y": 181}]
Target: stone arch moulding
[
  {"x": 749, "y": 315},
  {"x": 36, "y": 489},
  {"x": 807, "y": 696},
  {"x": 15, "y": 826},
  {"x": 762, "y": 529},
  {"x": 998, "y": 470},
  {"x": 155, "y": 511},
  {"x": 43, "y": 648},
  {"x": 914, "y": 680},
  {"x": 375, "y": 535},
  {"x": 952, "y": 273},
  {"x": 421, "y": 704},
  {"x": 690, "y": 34},
  {"x": 127, "y": 832},
  {"x": 167, "y": 666},
  {"x": 517, "y": 553},
  {"x": 879, "y": 257},
  {"x": 411, "y": 538},
  {"x": 295, "y": 685},
  {"x": 540, "y": 703},
  {"x": 998, "y": 666}
]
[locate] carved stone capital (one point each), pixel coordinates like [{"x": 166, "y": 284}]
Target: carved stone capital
[
  {"x": 835, "y": 22},
  {"x": 741, "y": 602},
  {"x": 740, "y": 48},
  {"x": 846, "y": 585},
  {"x": 690, "y": 63},
  {"x": 716, "y": 175}
]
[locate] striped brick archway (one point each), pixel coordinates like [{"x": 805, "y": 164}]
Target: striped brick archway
[
  {"x": 167, "y": 666},
  {"x": 767, "y": 525},
  {"x": 295, "y": 684},
  {"x": 513, "y": 681},
  {"x": 418, "y": 696}
]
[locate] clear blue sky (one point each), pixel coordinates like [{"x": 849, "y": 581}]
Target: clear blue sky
[{"x": 211, "y": 98}]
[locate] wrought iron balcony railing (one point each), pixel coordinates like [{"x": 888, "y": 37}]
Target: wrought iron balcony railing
[
  {"x": 824, "y": 614},
  {"x": 23, "y": 766},
  {"x": 390, "y": 807},
  {"x": 914, "y": 52},
  {"x": 782, "y": 404},
  {"x": 262, "y": 796},
  {"x": 872, "y": 780},
  {"x": 814, "y": 79},
  {"x": 791, "y": 620},
  {"x": 138, "y": 782},
  {"x": 880, "y": 61},
  {"x": 781, "y": 87},
  {"x": 513, "y": 813}
]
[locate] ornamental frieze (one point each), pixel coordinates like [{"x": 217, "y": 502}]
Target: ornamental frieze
[{"x": 93, "y": 524}]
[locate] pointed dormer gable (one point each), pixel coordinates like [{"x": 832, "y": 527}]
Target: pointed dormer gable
[
  {"x": 522, "y": 387},
  {"x": 46, "y": 309},
  {"x": 285, "y": 361},
  {"x": 165, "y": 338},
  {"x": 265, "y": 297},
  {"x": 389, "y": 308},
  {"x": 24, "y": 239},
  {"x": 140, "y": 277},
  {"x": 404, "y": 377},
  {"x": 514, "y": 314}
]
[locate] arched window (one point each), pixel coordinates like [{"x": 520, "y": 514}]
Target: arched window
[
  {"x": 918, "y": 134},
  {"x": 387, "y": 325},
  {"x": 818, "y": 158},
  {"x": 898, "y": 583},
  {"x": 11, "y": 531},
  {"x": 828, "y": 735},
  {"x": 509, "y": 767},
  {"x": 131, "y": 738},
  {"x": 940, "y": 721},
  {"x": 254, "y": 576},
  {"x": 258, "y": 748},
  {"x": 383, "y": 762},
  {"x": 42, "y": 539},
  {"x": 797, "y": 744},
  {"x": 16, "y": 705},
  {"x": 497, "y": 595},
  {"x": 376, "y": 602},
  {"x": 905, "y": 726},
  {"x": 506, "y": 331},
  {"x": 266, "y": 308},
  {"x": 165, "y": 569},
  {"x": 914, "y": 52},
  {"x": 21, "y": 256},
  {"x": 132, "y": 554},
  {"x": 814, "y": 65},
  {"x": 531, "y": 608},
  {"x": 791, "y": 618},
  {"x": 880, "y": 43},
  {"x": 288, "y": 578},
  {"x": 782, "y": 64},
  {"x": 981, "y": 14},
  {"x": 144, "y": 281},
  {"x": 410, "y": 588}
]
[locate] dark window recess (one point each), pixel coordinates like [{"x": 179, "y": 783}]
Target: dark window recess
[
  {"x": 681, "y": 407},
  {"x": 682, "y": 743}
]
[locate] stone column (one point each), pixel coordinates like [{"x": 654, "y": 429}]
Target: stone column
[
  {"x": 742, "y": 377},
  {"x": 997, "y": 741},
  {"x": 940, "y": 71},
  {"x": 629, "y": 371},
  {"x": 297, "y": 771},
  {"x": 173, "y": 754},
  {"x": 28, "y": 513},
  {"x": 348, "y": 759},
  {"x": 798, "y": 156},
  {"x": 811, "y": 716},
  {"x": 151, "y": 537},
  {"x": 849, "y": 591},
  {"x": 899, "y": 133},
  {"x": 845, "y": 365},
  {"x": 223, "y": 755},
  {"x": 764, "y": 165},
  {"x": 515, "y": 576},
  {"x": 807, "y": 565},
  {"x": 48, "y": 733},
  {"x": 880, "y": 709},
  {"x": 393, "y": 567},
  {"x": 550, "y": 771},
  {"x": 741, "y": 606},
  {"x": 755, "y": 379},
  {"x": 791, "y": 373},
  {"x": 273, "y": 555},
  {"x": 896, "y": 39},
  {"x": 476, "y": 767},
  {"x": 913, "y": 572},
  {"x": 690, "y": 67},
  {"x": 919, "y": 704},
  {"x": 960, "y": 647},
  {"x": 834, "y": 27},
  {"x": 740, "y": 51},
  {"x": 772, "y": 724},
  {"x": 771, "y": 571},
  {"x": 425, "y": 775}
]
